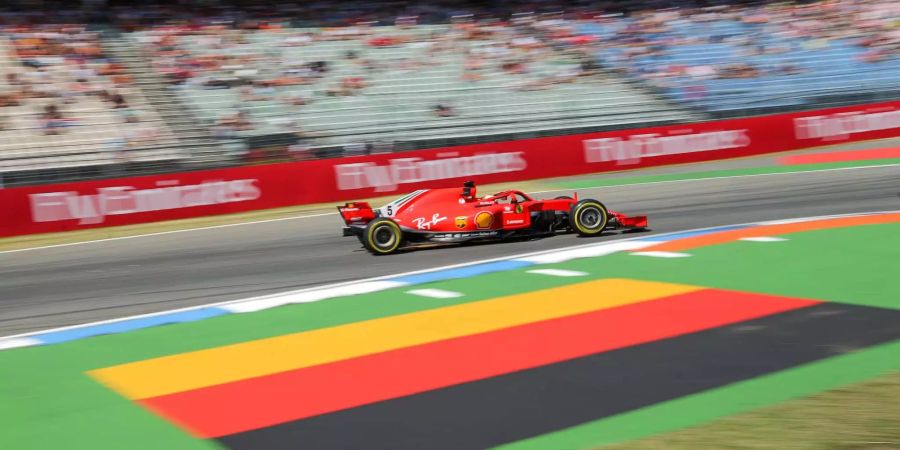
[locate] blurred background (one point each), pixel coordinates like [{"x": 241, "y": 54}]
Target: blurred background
[{"x": 98, "y": 88}]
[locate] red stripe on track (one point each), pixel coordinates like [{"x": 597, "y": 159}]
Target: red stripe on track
[
  {"x": 264, "y": 401},
  {"x": 851, "y": 155}
]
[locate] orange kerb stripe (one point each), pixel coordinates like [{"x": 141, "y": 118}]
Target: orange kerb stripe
[{"x": 770, "y": 230}]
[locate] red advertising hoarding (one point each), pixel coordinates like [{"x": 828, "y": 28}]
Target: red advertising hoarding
[{"x": 122, "y": 201}]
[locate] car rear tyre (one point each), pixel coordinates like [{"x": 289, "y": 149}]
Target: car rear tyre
[
  {"x": 588, "y": 217},
  {"x": 382, "y": 236}
]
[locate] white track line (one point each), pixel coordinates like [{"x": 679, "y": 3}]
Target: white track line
[
  {"x": 558, "y": 272},
  {"x": 662, "y": 254},
  {"x": 528, "y": 256},
  {"x": 315, "y": 295},
  {"x": 762, "y": 239},
  {"x": 162, "y": 233},
  {"x": 435, "y": 293},
  {"x": 6, "y": 344}
]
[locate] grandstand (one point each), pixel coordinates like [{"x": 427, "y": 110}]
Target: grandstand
[
  {"x": 79, "y": 101},
  {"x": 733, "y": 60},
  {"x": 403, "y": 84},
  {"x": 67, "y": 104}
]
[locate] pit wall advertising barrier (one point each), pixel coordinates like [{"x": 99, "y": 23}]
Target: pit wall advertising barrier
[{"x": 123, "y": 201}]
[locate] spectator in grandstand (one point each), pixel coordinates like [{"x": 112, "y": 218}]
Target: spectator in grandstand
[
  {"x": 740, "y": 70},
  {"x": 12, "y": 79},
  {"x": 875, "y": 54},
  {"x": 319, "y": 68},
  {"x": 788, "y": 69},
  {"x": 52, "y": 120},
  {"x": 347, "y": 86},
  {"x": 567, "y": 74},
  {"x": 589, "y": 65},
  {"x": 9, "y": 99},
  {"x": 12, "y": 95},
  {"x": 295, "y": 98},
  {"x": 472, "y": 67},
  {"x": 121, "y": 106},
  {"x": 516, "y": 66},
  {"x": 703, "y": 72},
  {"x": 444, "y": 109},
  {"x": 228, "y": 125},
  {"x": 694, "y": 92},
  {"x": 258, "y": 91},
  {"x": 297, "y": 40}
]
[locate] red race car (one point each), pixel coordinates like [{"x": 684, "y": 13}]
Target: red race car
[{"x": 458, "y": 215}]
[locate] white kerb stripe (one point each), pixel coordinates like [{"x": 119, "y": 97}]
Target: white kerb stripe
[
  {"x": 762, "y": 239},
  {"x": 271, "y": 301},
  {"x": 586, "y": 252},
  {"x": 558, "y": 272},
  {"x": 435, "y": 293},
  {"x": 790, "y": 221},
  {"x": 6, "y": 344},
  {"x": 661, "y": 254}
]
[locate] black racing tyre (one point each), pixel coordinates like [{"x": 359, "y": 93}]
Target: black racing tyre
[
  {"x": 382, "y": 236},
  {"x": 562, "y": 197},
  {"x": 588, "y": 217}
]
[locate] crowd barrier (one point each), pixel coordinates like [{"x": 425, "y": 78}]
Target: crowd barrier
[{"x": 123, "y": 201}]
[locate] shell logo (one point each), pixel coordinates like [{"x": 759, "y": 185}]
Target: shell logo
[{"x": 484, "y": 219}]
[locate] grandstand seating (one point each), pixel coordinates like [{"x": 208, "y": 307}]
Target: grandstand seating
[
  {"x": 398, "y": 103},
  {"x": 657, "y": 66},
  {"x": 90, "y": 131},
  {"x": 818, "y": 66}
]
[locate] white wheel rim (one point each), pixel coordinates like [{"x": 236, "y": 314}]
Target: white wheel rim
[{"x": 590, "y": 217}]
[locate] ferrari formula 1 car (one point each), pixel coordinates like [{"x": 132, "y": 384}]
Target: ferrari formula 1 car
[{"x": 458, "y": 215}]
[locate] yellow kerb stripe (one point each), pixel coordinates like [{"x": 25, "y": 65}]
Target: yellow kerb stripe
[{"x": 187, "y": 371}]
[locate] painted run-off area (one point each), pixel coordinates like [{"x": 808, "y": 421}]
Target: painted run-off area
[{"x": 54, "y": 404}]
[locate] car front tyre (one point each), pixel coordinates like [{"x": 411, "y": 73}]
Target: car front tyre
[{"x": 588, "y": 217}]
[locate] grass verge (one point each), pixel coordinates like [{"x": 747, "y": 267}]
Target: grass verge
[{"x": 861, "y": 416}]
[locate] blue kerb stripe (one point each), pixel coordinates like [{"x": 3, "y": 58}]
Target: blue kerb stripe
[
  {"x": 463, "y": 272},
  {"x": 674, "y": 236},
  {"x": 56, "y": 337}
]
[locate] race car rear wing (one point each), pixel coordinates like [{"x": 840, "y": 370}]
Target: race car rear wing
[{"x": 356, "y": 213}]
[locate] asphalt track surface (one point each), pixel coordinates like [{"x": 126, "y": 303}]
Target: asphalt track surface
[{"x": 68, "y": 285}]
